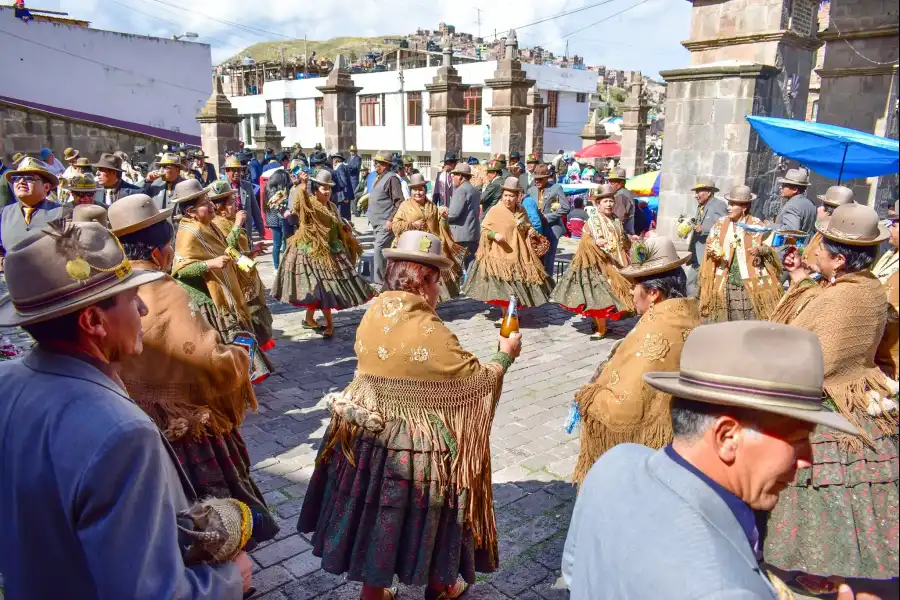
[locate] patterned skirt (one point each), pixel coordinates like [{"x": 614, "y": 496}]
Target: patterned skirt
[
  {"x": 494, "y": 290},
  {"x": 388, "y": 515},
  {"x": 740, "y": 307},
  {"x": 587, "y": 292},
  {"x": 219, "y": 466},
  {"x": 260, "y": 365},
  {"x": 841, "y": 516},
  {"x": 302, "y": 282}
]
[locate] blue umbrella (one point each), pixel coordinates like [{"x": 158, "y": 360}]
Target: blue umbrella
[{"x": 832, "y": 151}]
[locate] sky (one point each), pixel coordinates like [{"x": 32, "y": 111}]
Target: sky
[{"x": 645, "y": 36}]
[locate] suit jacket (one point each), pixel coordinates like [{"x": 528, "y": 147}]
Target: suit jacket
[
  {"x": 124, "y": 189},
  {"x": 159, "y": 191},
  {"x": 6, "y": 192},
  {"x": 438, "y": 194},
  {"x": 12, "y": 221},
  {"x": 354, "y": 164},
  {"x": 490, "y": 195},
  {"x": 797, "y": 213},
  {"x": 462, "y": 214},
  {"x": 250, "y": 203},
  {"x": 343, "y": 187},
  {"x": 714, "y": 209},
  {"x": 624, "y": 209},
  {"x": 95, "y": 497},
  {"x": 554, "y": 217},
  {"x": 646, "y": 527}
]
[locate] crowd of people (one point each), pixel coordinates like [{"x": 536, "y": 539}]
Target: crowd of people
[{"x": 741, "y": 438}]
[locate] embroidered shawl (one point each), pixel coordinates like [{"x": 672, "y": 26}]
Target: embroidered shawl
[
  {"x": 608, "y": 260},
  {"x": 618, "y": 406},
  {"x": 795, "y": 300},
  {"x": 318, "y": 224},
  {"x": 412, "y": 368},
  {"x": 411, "y": 211},
  {"x": 761, "y": 275},
  {"x": 513, "y": 258},
  {"x": 250, "y": 282},
  {"x": 186, "y": 379}
]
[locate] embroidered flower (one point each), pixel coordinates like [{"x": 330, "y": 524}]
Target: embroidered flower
[
  {"x": 613, "y": 377},
  {"x": 623, "y": 397},
  {"x": 418, "y": 355},
  {"x": 685, "y": 334},
  {"x": 428, "y": 330},
  {"x": 655, "y": 347},
  {"x": 390, "y": 307},
  {"x": 383, "y": 353},
  {"x": 189, "y": 348}
]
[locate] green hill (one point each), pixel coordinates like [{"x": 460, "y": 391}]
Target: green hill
[{"x": 351, "y": 47}]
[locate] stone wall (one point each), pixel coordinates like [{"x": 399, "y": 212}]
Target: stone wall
[{"x": 25, "y": 129}]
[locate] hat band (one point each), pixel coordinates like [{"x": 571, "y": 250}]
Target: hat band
[
  {"x": 783, "y": 398},
  {"x": 850, "y": 236},
  {"x": 32, "y": 307}
]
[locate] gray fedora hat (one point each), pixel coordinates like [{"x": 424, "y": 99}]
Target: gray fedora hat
[
  {"x": 420, "y": 247},
  {"x": 187, "y": 190},
  {"x": 323, "y": 177},
  {"x": 854, "y": 224},
  {"x": 654, "y": 255},
  {"x": 462, "y": 169},
  {"x": 135, "y": 212},
  {"x": 715, "y": 368},
  {"x": 740, "y": 194},
  {"x": 79, "y": 264},
  {"x": 90, "y": 213},
  {"x": 836, "y": 195},
  {"x": 417, "y": 180},
  {"x": 797, "y": 177},
  {"x": 512, "y": 184}
]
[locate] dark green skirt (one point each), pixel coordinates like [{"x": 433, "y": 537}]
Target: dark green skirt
[
  {"x": 302, "y": 282},
  {"x": 494, "y": 290},
  {"x": 587, "y": 292}
]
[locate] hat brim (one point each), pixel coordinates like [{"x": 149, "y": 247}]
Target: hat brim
[
  {"x": 9, "y": 317},
  {"x": 458, "y": 172},
  {"x": 740, "y": 200},
  {"x": 72, "y": 158},
  {"x": 110, "y": 167},
  {"x": 698, "y": 188},
  {"x": 219, "y": 198},
  {"x": 189, "y": 197},
  {"x": 828, "y": 202},
  {"x": 81, "y": 190},
  {"x": 441, "y": 262},
  {"x": 783, "y": 181},
  {"x": 162, "y": 215},
  {"x": 631, "y": 272},
  {"x": 616, "y": 178},
  {"x": 47, "y": 176},
  {"x": 822, "y": 227},
  {"x": 671, "y": 383},
  {"x": 382, "y": 161}
]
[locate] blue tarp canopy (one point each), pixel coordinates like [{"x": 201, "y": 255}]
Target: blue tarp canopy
[{"x": 832, "y": 151}]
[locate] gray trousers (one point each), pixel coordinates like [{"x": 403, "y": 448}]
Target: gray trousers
[
  {"x": 472, "y": 248},
  {"x": 693, "y": 280},
  {"x": 383, "y": 239}
]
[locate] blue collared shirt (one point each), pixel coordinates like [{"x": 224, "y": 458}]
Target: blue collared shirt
[{"x": 742, "y": 511}]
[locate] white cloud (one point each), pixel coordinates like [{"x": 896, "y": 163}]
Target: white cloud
[{"x": 646, "y": 36}]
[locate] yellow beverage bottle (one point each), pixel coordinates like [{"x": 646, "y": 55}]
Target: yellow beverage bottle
[{"x": 510, "y": 322}]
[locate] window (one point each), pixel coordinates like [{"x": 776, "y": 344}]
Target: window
[
  {"x": 472, "y": 96},
  {"x": 552, "y": 108},
  {"x": 423, "y": 163},
  {"x": 370, "y": 111},
  {"x": 366, "y": 160},
  {"x": 581, "y": 97},
  {"x": 290, "y": 113},
  {"x": 320, "y": 112},
  {"x": 414, "y": 108}
]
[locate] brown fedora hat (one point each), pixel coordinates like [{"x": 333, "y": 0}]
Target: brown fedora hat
[
  {"x": 715, "y": 369},
  {"x": 604, "y": 190},
  {"x": 90, "y": 213},
  {"x": 512, "y": 184},
  {"x": 419, "y": 247},
  {"x": 109, "y": 161},
  {"x": 654, "y": 255},
  {"x": 740, "y": 194},
  {"x": 853, "y": 224},
  {"x": 187, "y": 190},
  {"x": 541, "y": 171},
  {"x": 79, "y": 264},
  {"x": 135, "y": 212},
  {"x": 837, "y": 195}
]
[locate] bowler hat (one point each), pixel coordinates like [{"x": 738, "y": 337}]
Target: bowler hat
[
  {"x": 704, "y": 183},
  {"x": 135, "y": 212},
  {"x": 604, "y": 190},
  {"x": 419, "y": 247},
  {"x": 541, "y": 172},
  {"x": 740, "y": 194},
  {"x": 854, "y": 224},
  {"x": 616, "y": 174},
  {"x": 109, "y": 161},
  {"x": 187, "y": 190},
  {"x": 796, "y": 177},
  {"x": 462, "y": 169},
  {"x": 78, "y": 265},
  {"x": 417, "y": 180},
  {"x": 70, "y": 154},
  {"x": 220, "y": 190},
  {"x": 512, "y": 184},
  {"x": 32, "y": 166},
  {"x": 323, "y": 177},
  {"x": 837, "y": 195},
  {"x": 715, "y": 369},
  {"x": 90, "y": 213},
  {"x": 450, "y": 157},
  {"x": 654, "y": 255}
]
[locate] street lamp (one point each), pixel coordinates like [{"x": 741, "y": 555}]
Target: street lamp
[{"x": 187, "y": 34}]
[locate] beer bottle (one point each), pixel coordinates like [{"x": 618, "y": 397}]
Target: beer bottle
[{"x": 510, "y": 322}]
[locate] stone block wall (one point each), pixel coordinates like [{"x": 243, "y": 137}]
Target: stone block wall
[{"x": 27, "y": 130}]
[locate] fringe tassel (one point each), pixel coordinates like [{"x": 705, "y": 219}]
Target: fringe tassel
[
  {"x": 851, "y": 399},
  {"x": 712, "y": 300}
]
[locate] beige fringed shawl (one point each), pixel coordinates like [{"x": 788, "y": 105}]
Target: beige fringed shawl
[
  {"x": 319, "y": 223},
  {"x": 412, "y": 368},
  {"x": 186, "y": 379},
  {"x": 618, "y": 407},
  {"x": 251, "y": 284},
  {"x": 849, "y": 318},
  {"x": 888, "y": 355},
  {"x": 411, "y": 211},
  {"x": 513, "y": 259},
  {"x": 609, "y": 259},
  {"x": 795, "y": 300},
  {"x": 761, "y": 275}
]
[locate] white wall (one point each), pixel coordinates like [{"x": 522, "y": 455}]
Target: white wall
[{"x": 149, "y": 81}]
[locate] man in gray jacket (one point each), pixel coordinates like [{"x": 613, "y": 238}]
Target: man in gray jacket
[
  {"x": 554, "y": 206},
  {"x": 384, "y": 200},
  {"x": 32, "y": 184},
  {"x": 710, "y": 208},
  {"x": 246, "y": 200},
  {"x": 462, "y": 214},
  {"x": 678, "y": 523},
  {"x": 798, "y": 212},
  {"x": 624, "y": 208},
  {"x": 90, "y": 485},
  {"x": 162, "y": 181}
]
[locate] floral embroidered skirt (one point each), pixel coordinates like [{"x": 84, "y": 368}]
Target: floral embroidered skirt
[
  {"x": 587, "y": 292},
  {"x": 388, "y": 515},
  {"x": 219, "y": 466},
  {"x": 260, "y": 366},
  {"x": 494, "y": 290},
  {"x": 302, "y": 282},
  {"x": 841, "y": 516}
]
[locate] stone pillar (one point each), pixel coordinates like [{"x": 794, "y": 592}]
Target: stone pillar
[
  {"x": 534, "y": 125},
  {"x": 446, "y": 110},
  {"x": 339, "y": 104},
  {"x": 634, "y": 128},
  {"x": 748, "y": 57},
  {"x": 219, "y": 126},
  {"x": 268, "y": 135},
  {"x": 509, "y": 107},
  {"x": 860, "y": 93},
  {"x": 594, "y": 131}
]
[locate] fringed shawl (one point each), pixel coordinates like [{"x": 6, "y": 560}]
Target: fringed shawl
[
  {"x": 761, "y": 275},
  {"x": 317, "y": 221},
  {"x": 888, "y": 355},
  {"x": 618, "y": 406},
  {"x": 513, "y": 259},
  {"x": 849, "y": 318},
  {"x": 250, "y": 282},
  {"x": 186, "y": 379},
  {"x": 412, "y": 368},
  {"x": 411, "y": 211},
  {"x": 609, "y": 259},
  {"x": 795, "y": 300}
]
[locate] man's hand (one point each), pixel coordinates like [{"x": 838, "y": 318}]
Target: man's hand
[
  {"x": 755, "y": 251},
  {"x": 153, "y": 175},
  {"x": 420, "y": 224},
  {"x": 246, "y": 568},
  {"x": 389, "y": 224},
  {"x": 846, "y": 593},
  {"x": 443, "y": 211},
  {"x": 698, "y": 228},
  {"x": 240, "y": 218},
  {"x": 218, "y": 263}
]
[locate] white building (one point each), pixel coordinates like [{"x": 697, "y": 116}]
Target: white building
[
  {"x": 136, "y": 80},
  {"x": 394, "y": 120}
]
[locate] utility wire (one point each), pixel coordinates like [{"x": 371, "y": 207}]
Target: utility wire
[
  {"x": 624, "y": 10},
  {"x": 556, "y": 16},
  {"x": 152, "y": 16},
  {"x": 254, "y": 30}
]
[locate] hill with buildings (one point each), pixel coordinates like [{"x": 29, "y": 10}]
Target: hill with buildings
[{"x": 295, "y": 50}]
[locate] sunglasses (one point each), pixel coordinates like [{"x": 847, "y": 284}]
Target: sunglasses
[
  {"x": 23, "y": 178},
  {"x": 83, "y": 194}
]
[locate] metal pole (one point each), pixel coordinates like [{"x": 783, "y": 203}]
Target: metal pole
[
  {"x": 841, "y": 174},
  {"x": 402, "y": 108}
]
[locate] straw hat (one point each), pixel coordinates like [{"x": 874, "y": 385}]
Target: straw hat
[
  {"x": 78, "y": 264},
  {"x": 617, "y": 174},
  {"x": 462, "y": 169},
  {"x": 541, "y": 172},
  {"x": 109, "y": 161},
  {"x": 220, "y": 190},
  {"x": 654, "y": 255},
  {"x": 419, "y": 247},
  {"x": 797, "y": 177},
  {"x": 417, "y": 180},
  {"x": 740, "y": 194},
  {"x": 70, "y": 154},
  {"x": 169, "y": 159},
  {"x": 604, "y": 190},
  {"x": 32, "y": 166},
  {"x": 323, "y": 177},
  {"x": 82, "y": 183},
  {"x": 135, "y": 212},
  {"x": 715, "y": 369},
  {"x": 233, "y": 162},
  {"x": 704, "y": 183},
  {"x": 837, "y": 195},
  {"x": 90, "y": 213},
  {"x": 853, "y": 224},
  {"x": 187, "y": 190}
]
